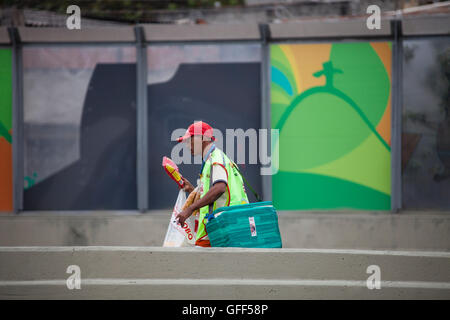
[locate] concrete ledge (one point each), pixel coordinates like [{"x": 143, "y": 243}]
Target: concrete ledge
[
  {"x": 4, "y": 37},
  {"x": 217, "y": 291},
  {"x": 434, "y": 25},
  {"x": 408, "y": 230},
  {"x": 205, "y": 32},
  {"x": 89, "y": 35},
  {"x": 327, "y": 29},
  {"x": 225, "y": 273},
  {"x": 194, "y": 263},
  {"x": 336, "y": 230}
]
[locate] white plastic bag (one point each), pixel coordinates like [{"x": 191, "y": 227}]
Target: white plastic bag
[{"x": 178, "y": 236}]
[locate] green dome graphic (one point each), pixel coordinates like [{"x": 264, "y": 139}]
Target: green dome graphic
[
  {"x": 322, "y": 127},
  {"x": 330, "y": 152}
]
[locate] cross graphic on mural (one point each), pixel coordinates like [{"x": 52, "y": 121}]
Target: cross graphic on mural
[{"x": 328, "y": 71}]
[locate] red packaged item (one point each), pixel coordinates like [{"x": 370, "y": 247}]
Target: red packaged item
[{"x": 172, "y": 170}]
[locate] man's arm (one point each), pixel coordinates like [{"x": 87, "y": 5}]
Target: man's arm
[{"x": 212, "y": 195}]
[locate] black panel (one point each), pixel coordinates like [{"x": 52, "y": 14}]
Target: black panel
[
  {"x": 225, "y": 95},
  {"x": 105, "y": 175}
]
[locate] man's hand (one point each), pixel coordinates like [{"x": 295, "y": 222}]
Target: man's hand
[
  {"x": 212, "y": 195},
  {"x": 183, "y": 215},
  {"x": 188, "y": 187}
]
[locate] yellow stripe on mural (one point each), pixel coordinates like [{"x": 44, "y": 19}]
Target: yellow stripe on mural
[
  {"x": 286, "y": 48},
  {"x": 384, "y": 52},
  {"x": 307, "y": 59},
  {"x": 384, "y": 126}
]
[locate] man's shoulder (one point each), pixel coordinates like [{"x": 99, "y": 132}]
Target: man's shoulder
[
  {"x": 217, "y": 153},
  {"x": 220, "y": 156}
]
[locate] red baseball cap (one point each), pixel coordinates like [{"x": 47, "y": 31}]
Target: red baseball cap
[{"x": 198, "y": 128}]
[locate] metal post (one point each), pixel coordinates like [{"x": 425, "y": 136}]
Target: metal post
[
  {"x": 396, "y": 123},
  {"x": 265, "y": 103},
  {"x": 142, "y": 120},
  {"x": 17, "y": 120}
]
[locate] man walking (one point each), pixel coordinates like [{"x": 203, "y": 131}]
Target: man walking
[{"x": 219, "y": 184}]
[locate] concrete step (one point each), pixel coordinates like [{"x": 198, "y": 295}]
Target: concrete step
[
  {"x": 408, "y": 230},
  {"x": 221, "y": 273}
]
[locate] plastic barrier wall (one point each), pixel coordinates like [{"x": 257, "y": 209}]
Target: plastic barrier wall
[
  {"x": 426, "y": 124},
  {"x": 332, "y": 105},
  {"x": 80, "y": 128}
]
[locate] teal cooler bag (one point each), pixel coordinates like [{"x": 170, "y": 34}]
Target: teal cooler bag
[{"x": 253, "y": 225}]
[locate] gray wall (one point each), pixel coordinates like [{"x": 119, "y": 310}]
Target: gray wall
[{"x": 359, "y": 230}]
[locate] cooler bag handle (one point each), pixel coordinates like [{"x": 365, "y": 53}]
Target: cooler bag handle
[
  {"x": 246, "y": 182},
  {"x": 210, "y": 216},
  {"x": 210, "y": 207}
]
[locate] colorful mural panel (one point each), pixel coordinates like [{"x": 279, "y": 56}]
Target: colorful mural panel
[
  {"x": 332, "y": 105},
  {"x": 6, "y": 180}
]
